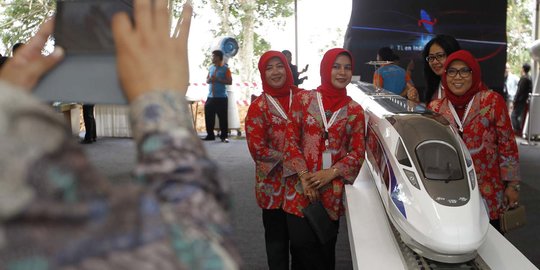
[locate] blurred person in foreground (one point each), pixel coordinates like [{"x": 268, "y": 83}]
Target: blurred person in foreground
[
  {"x": 59, "y": 213},
  {"x": 481, "y": 117}
]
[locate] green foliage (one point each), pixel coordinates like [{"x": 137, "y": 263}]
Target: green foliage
[
  {"x": 177, "y": 8},
  {"x": 519, "y": 27},
  {"x": 261, "y": 12},
  {"x": 21, "y": 19},
  {"x": 261, "y": 46},
  {"x": 274, "y": 9},
  {"x": 264, "y": 11}
]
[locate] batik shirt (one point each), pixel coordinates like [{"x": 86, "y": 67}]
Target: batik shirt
[
  {"x": 305, "y": 145},
  {"x": 488, "y": 134},
  {"x": 265, "y": 134},
  {"x": 57, "y": 212}
]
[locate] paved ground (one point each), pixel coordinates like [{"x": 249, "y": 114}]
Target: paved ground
[
  {"x": 115, "y": 157},
  {"x": 238, "y": 168},
  {"x": 527, "y": 239}
]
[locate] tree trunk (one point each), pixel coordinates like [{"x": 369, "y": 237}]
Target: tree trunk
[
  {"x": 223, "y": 10},
  {"x": 246, "y": 46}
]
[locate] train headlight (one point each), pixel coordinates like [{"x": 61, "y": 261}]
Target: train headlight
[
  {"x": 468, "y": 160},
  {"x": 412, "y": 178},
  {"x": 472, "y": 178}
]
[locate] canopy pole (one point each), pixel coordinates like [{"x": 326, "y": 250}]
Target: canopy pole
[{"x": 296, "y": 31}]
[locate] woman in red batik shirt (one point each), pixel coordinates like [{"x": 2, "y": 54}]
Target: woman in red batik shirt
[
  {"x": 482, "y": 118},
  {"x": 325, "y": 150},
  {"x": 266, "y": 122}
]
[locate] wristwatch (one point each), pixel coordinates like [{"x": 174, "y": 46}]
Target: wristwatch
[{"x": 516, "y": 187}]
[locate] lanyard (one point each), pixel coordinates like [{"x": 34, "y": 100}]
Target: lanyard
[
  {"x": 326, "y": 124},
  {"x": 278, "y": 107},
  {"x": 439, "y": 92},
  {"x": 456, "y": 117}
]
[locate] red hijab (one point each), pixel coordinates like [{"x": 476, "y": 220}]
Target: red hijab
[
  {"x": 460, "y": 102},
  {"x": 281, "y": 94},
  {"x": 332, "y": 97}
]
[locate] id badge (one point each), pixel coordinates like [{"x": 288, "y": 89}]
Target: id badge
[{"x": 326, "y": 159}]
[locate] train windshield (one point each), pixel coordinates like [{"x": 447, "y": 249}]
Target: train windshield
[
  {"x": 401, "y": 155},
  {"x": 439, "y": 161}
]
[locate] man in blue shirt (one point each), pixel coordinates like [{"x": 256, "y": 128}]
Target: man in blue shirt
[
  {"x": 219, "y": 76},
  {"x": 391, "y": 76}
]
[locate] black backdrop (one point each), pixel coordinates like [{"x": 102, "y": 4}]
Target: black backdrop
[{"x": 407, "y": 25}]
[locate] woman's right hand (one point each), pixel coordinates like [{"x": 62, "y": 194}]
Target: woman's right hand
[
  {"x": 511, "y": 195},
  {"x": 148, "y": 58},
  {"x": 311, "y": 193}
]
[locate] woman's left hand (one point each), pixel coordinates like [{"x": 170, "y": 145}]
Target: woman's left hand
[
  {"x": 511, "y": 197},
  {"x": 321, "y": 178}
]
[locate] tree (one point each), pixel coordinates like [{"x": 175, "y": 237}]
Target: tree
[
  {"x": 519, "y": 27},
  {"x": 21, "y": 19},
  {"x": 241, "y": 19}
]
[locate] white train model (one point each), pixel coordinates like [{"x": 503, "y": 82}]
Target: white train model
[{"x": 425, "y": 176}]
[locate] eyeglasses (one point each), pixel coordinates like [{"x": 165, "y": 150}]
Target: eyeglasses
[
  {"x": 463, "y": 73},
  {"x": 439, "y": 56}
]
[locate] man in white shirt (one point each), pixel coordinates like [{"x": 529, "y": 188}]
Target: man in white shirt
[{"x": 510, "y": 84}]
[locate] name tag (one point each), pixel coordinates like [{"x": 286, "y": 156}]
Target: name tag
[{"x": 326, "y": 159}]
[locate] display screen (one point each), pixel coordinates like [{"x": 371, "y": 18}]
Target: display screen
[{"x": 406, "y": 26}]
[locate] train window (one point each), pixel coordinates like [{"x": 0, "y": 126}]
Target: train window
[
  {"x": 439, "y": 161},
  {"x": 401, "y": 155}
]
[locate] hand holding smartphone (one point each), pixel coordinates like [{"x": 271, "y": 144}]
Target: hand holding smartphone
[{"x": 88, "y": 73}]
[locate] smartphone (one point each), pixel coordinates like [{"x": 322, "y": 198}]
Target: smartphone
[
  {"x": 88, "y": 72},
  {"x": 84, "y": 26}
]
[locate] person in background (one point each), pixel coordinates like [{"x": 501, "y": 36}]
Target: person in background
[
  {"x": 481, "y": 116},
  {"x": 435, "y": 53},
  {"x": 58, "y": 212},
  {"x": 89, "y": 124},
  {"x": 16, "y": 47},
  {"x": 294, "y": 69},
  {"x": 219, "y": 76},
  {"x": 324, "y": 150},
  {"x": 510, "y": 85},
  {"x": 2, "y": 60},
  {"x": 392, "y": 77},
  {"x": 266, "y": 122},
  {"x": 521, "y": 98}
]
